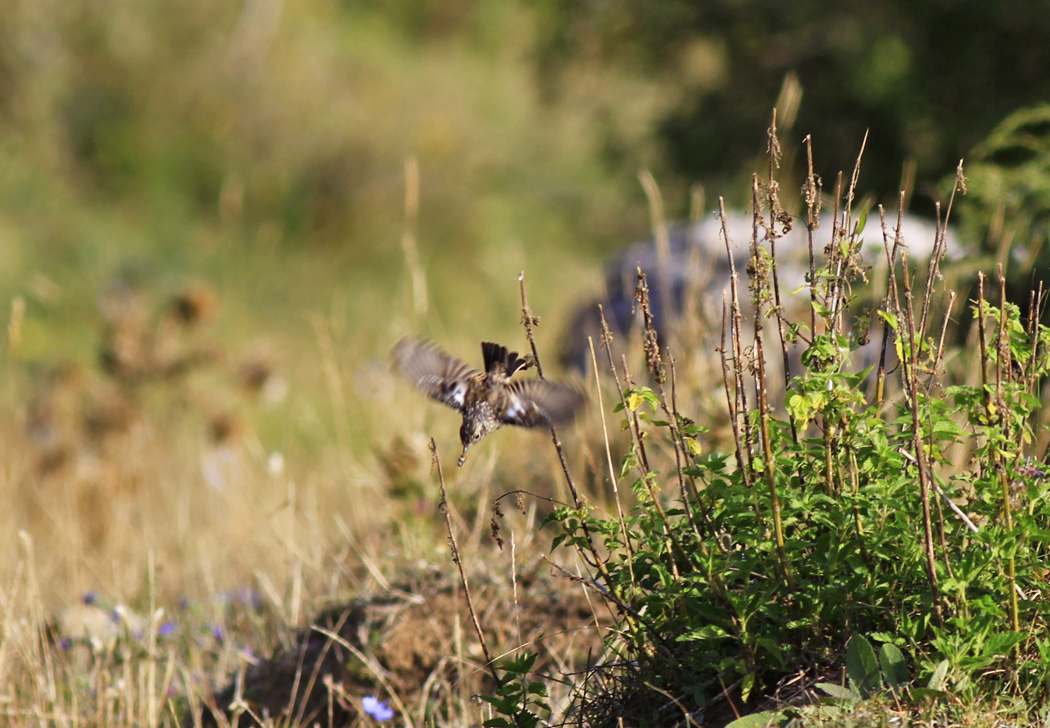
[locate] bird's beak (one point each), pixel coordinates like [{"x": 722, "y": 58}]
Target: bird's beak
[{"x": 462, "y": 458}]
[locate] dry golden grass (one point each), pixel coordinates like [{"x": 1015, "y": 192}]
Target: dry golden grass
[{"x": 157, "y": 541}]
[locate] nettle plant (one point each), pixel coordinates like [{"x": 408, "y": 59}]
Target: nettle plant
[{"x": 883, "y": 492}]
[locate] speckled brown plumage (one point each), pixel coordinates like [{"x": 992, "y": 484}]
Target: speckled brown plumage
[{"x": 486, "y": 399}]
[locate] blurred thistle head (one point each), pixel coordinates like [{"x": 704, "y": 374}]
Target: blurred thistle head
[{"x": 195, "y": 304}]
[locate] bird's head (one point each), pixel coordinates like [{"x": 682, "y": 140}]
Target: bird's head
[{"x": 471, "y": 431}]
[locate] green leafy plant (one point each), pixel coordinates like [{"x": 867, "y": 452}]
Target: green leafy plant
[
  {"x": 870, "y": 673},
  {"x": 519, "y": 701},
  {"x": 867, "y": 495}
]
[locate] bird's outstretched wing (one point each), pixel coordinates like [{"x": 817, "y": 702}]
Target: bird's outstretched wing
[
  {"x": 434, "y": 372},
  {"x": 538, "y": 403}
]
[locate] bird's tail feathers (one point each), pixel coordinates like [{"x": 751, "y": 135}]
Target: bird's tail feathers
[{"x": 498, "y": 356}]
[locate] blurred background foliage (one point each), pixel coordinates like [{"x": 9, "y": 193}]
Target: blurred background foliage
[
  {"x": 189, "y": 126},
  {"x": 928, "y": 79},
  {"x": 261, "y": 146}
]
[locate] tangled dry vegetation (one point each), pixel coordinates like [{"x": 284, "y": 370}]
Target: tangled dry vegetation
[{"x": 737, "y": 546}]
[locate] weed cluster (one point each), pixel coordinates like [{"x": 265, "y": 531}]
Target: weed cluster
[{"x": 901, "y": 504}]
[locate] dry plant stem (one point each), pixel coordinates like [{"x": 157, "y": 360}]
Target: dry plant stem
[
  {"x": 981, "y": 342},
  {"x": 734, "y": 421},
  {"x": 679, "y": 453},
  {"x": 1003, "y": 359},
  {"x": 530, "y": 322},
  {"x": 763, "y": 408},
  {"x": 636, "y": 437},
  {"x": 656, "y": 368},
  {"x": 940, "y": 245},
  {"x": 850, "y": 197},
  {"x": 912, "y": 388},
  {"x": 651, "y": 340},
  {"x": 1030, "y": 329},
  {"x": 836, "y": 233},
  {"x": 1002, "y": 353},
  {"x": 857, "y": 520},
  {"x": 932, "y": 271},
  {"x": 811, "y": 193},
  {"x": 944, "y": 334},
  {"x": 830, "y": 319},
  {"x": 892, "y": 292},
  {"x": 770, "y": 473},
  {"x": 621, "y": 388},
  {"x": 670, "y": 541},
  {"x": 643, "y": 452},
  {"x": 836, "y": 294},
  {"x": 891, "y": 257},
  {"x": 1036, "y": 305},
  {"x": 963, "y": 518},
  {"x": 776, "y": 211},
  {"x": 613, "y": 480},
  {"x": 942, "y": 540},
  {"x": 738, "y": 347},
  {"x": 459, "y": 564}
]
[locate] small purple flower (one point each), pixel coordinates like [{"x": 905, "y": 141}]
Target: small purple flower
[
  {"x": 217, "y": 634},
  {"x": 65, "y": 643},
  {"x": 185, "y": 603},
  {"x": 376, "y": 708},
  {"x": 90, "y": 597},
  {"x": 114, "y": 615},
  {"x": 167, "y": 629}
]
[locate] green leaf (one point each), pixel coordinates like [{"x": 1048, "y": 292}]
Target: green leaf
[
  {"x": 862, "y": 666},
  {"x": 758, "y": 720},
  {"x": 506, "y": 706},
  {"x": 888, "y": 317},
  {"x": 838, "y": 691},
  {"x": 498, "y": 723},
  {"x": 746, "y": 685},
  {"x": 938, "y": 677},
  {"x": 894, "y": 666},
  {"x": 886, "y": 637},
  {"x": 862, "y": 219},
  {"x": 1001, "y": 644}
]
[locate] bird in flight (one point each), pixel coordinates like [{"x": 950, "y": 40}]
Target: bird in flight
[{"x": 487, "y": 400}]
